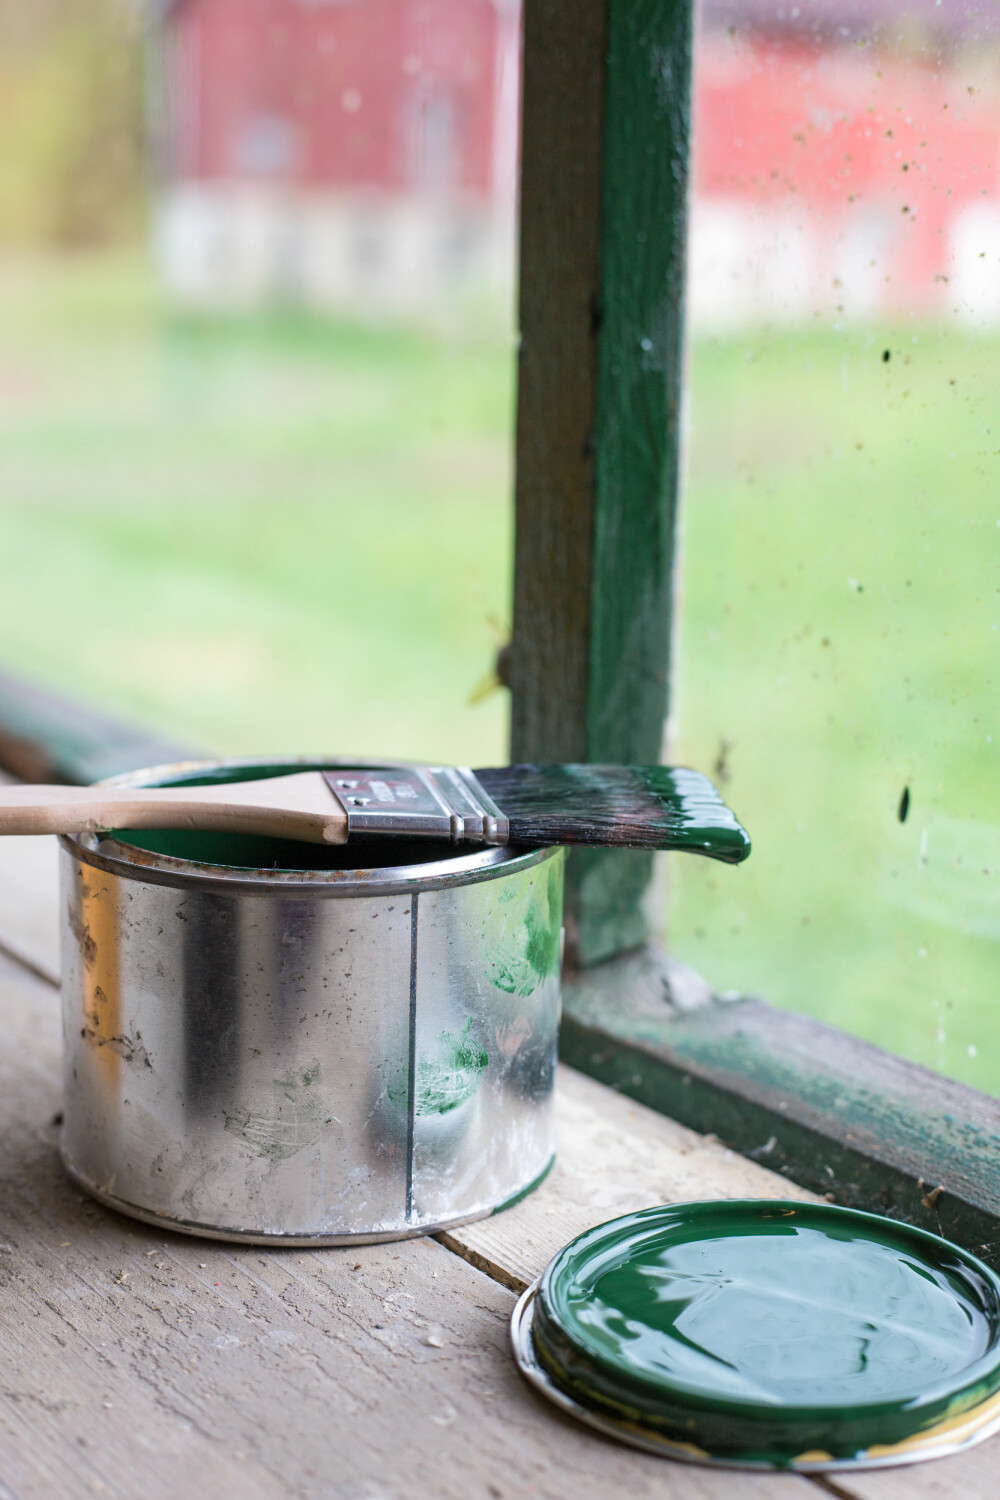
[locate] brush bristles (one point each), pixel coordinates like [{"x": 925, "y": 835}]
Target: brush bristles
[{"x": 628, "y": 807}]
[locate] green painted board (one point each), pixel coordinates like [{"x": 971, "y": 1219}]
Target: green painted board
[
  {"x": 45, "y": 737},
  {"x": 836, "y": 1114},
  {"x": 604, "y": 191}
]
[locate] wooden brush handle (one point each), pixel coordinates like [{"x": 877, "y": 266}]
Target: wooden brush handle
[{"x": 300, "y": 806}]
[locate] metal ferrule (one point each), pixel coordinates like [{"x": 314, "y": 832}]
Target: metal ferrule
[{"x": 437, "y": 802}]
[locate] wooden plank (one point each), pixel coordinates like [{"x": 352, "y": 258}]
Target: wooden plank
[
  {"x": 29, "y": 929},
  {"x": 614, "y": 1155},
  {"x": 134, "y": 1364},
  {"x": 969, "y": 1476},
  {"x": 604, "y": 178},
  {"x": 46, "y": 737},
  {"x": 265, "y": 1373},
  {"x": 29, "y": 902},
  {"x": 832, "y": 1112}
]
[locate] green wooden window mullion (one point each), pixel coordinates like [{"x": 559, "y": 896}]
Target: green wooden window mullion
[{"x": 607, "y": 91}]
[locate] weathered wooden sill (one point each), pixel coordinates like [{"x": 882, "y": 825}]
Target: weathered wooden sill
[
  {"x": 46, "y": 737},
  {"x": 837, "y": 1114}
]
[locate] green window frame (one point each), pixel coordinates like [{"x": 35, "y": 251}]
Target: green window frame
[{"x": 606, "y": 132}]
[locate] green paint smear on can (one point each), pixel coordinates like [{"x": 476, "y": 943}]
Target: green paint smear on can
[
  {"x": 765, "y": 1331},
  {"x": 529, "y": 953},
  {"x": 448, "y": 1077}
]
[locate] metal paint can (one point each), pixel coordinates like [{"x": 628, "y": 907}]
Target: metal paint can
[{"x": 286, "y": 1044}]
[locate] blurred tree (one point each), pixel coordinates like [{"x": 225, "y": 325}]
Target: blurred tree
[{"x": 71, "y": 119}]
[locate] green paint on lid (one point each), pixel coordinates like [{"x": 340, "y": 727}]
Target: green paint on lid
[{"x": 765, "y": 1331}]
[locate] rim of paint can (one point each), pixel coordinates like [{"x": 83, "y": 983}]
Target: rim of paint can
[
  {"x": 972, "y": 1428},
  {"x": 770, "y": 1332},
  {"x": 124, "y": 856}
]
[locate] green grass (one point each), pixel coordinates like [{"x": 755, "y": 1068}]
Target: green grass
[
  {"x": 276, "y": 535},
  {"x": 290, "y": 535},
  {"x": 839, "y": 643}
]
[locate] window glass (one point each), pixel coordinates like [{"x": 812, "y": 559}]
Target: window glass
[
  {"x": 256, "y": 374},
  {"x": 840, "y": 620}
]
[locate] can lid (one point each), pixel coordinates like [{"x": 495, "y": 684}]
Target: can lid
[{"x": 770, "y": 1332}]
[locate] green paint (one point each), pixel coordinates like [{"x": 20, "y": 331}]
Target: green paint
[
  {"x": 447, "y": 1077},
  {"x": 249, "y": 852},
  {"x": 526, "y": 950},
  {"x": 245, "y": 851},
  {"x": 541, "y": 948},
  {"x": 761, "y": 1331},
  {"x": 530, "y": 1187},
  {"x": 605, "y": 167},
  {"x": 637, "y": 432}
]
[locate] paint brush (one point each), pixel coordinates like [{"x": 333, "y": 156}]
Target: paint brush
[{"x": 627, "y": 807}]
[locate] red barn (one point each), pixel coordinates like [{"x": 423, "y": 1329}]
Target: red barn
[
  {"x": 362, "y": 154},
  {"x": 845, "y": 174},
  {"x": 331, "y": 150}
]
